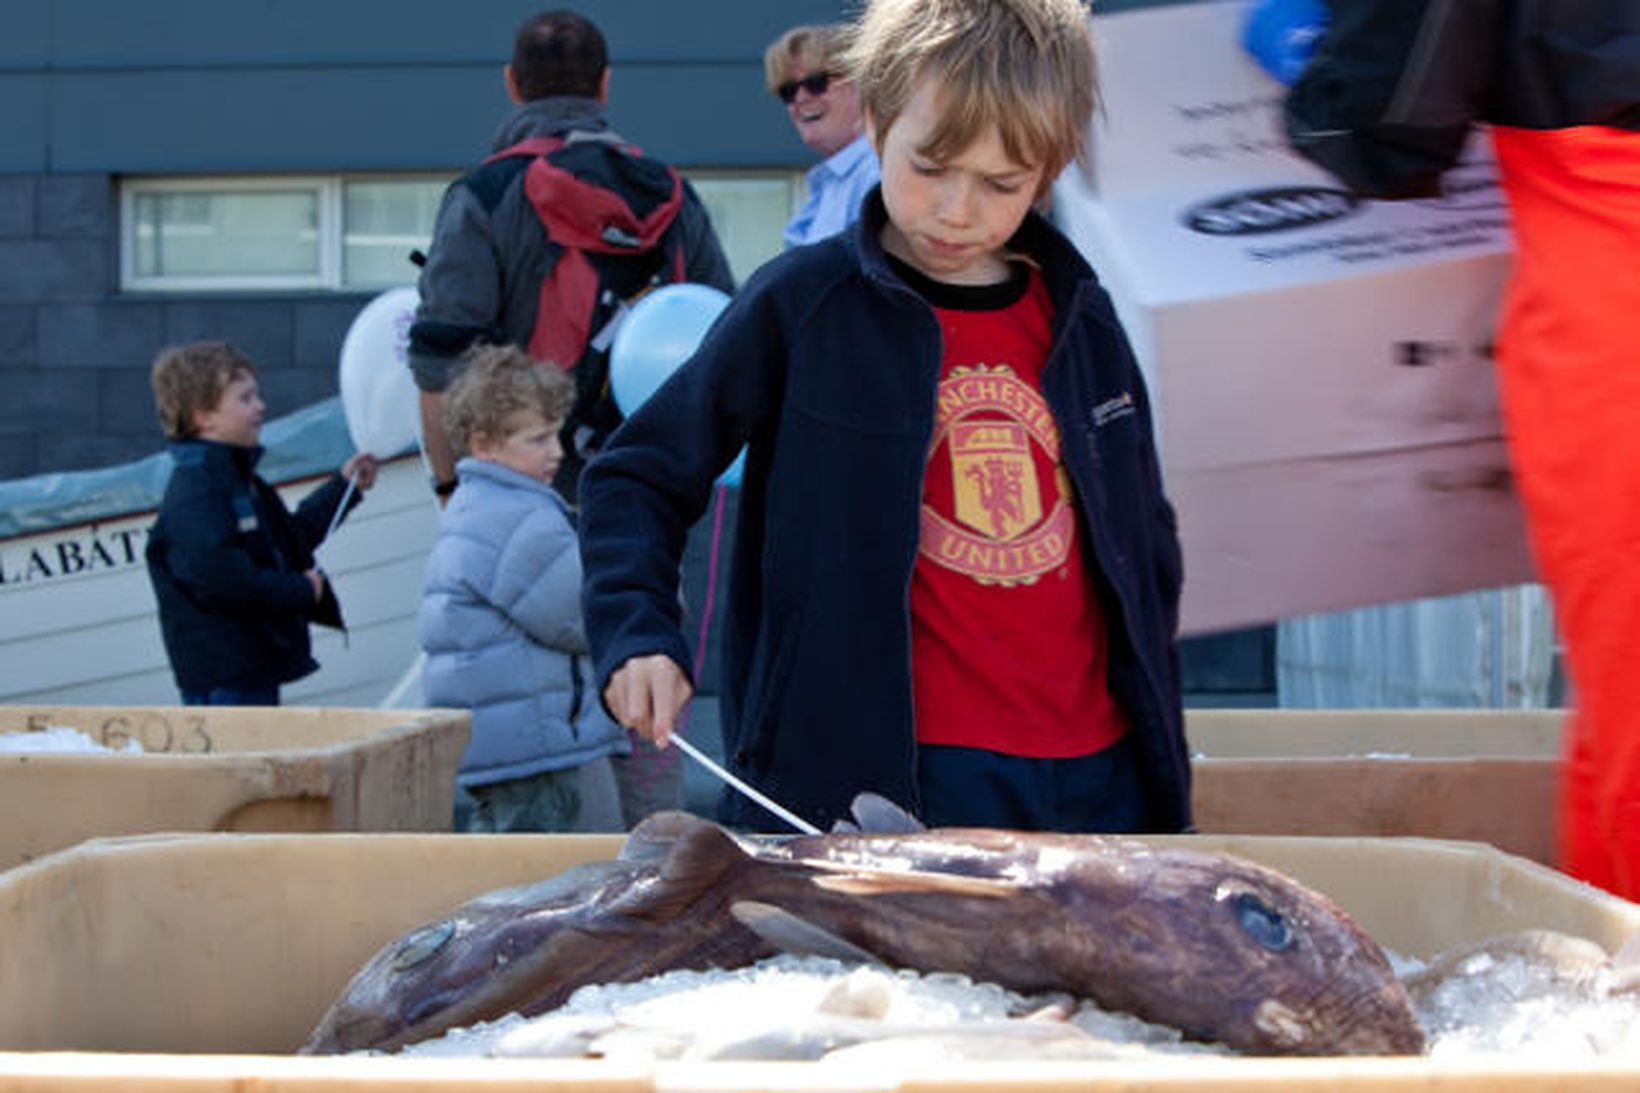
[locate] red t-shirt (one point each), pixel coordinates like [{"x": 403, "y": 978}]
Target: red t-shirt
[{"x": 1008, "y": 644}]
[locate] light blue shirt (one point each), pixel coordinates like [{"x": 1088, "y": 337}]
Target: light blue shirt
[{"x": 836, "y": 187}]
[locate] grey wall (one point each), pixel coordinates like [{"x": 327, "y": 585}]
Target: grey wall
[
  {"x": 93, "y": 90},
  {"x": 74, "y": 353},
  {"x": 221, "y": 85}
]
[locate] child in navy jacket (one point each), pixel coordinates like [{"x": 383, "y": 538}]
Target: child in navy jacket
[{"x": 232, "y": 568}]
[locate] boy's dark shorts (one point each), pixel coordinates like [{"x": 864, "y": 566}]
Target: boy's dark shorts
[{"x": 969, "y": 787}]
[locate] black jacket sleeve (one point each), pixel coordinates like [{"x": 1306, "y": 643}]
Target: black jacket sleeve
[
  {"x": 704, "y": 260},
  {"x": 1392, "y": 91}
]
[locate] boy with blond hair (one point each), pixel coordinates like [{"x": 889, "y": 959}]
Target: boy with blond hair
[
  {"x": 233, "y": 570},
  {"x": 956, "y": 574},
  {"x": 500, "y": 618}
]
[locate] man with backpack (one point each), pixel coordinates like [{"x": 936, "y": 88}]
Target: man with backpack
[{"x": 543, "y": 243}]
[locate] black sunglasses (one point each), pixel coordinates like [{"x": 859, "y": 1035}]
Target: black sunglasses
[{"x": 814, "y": 85}]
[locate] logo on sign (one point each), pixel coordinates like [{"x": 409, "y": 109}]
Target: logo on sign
[{"x": 1259, "y": 212}]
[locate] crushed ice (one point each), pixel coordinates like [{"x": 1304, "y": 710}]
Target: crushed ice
[
  {"x": 804, "y": 1007},
  {"x": 60, "y": 739},
  {"x": 1509, "y": 1004},
  {"x": 809, "y": 1008}
]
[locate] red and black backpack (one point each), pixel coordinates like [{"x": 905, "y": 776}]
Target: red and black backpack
[{"x": 606, "y": 209}]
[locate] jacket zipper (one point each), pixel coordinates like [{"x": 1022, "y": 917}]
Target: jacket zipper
[
  {"x": 1078, "y": 302},
  {"x": 577, "y": 695}
]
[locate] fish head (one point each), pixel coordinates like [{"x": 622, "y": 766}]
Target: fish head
[
  {"x": 1269, "y": 965},
  {"x": 482, "y": 960}
]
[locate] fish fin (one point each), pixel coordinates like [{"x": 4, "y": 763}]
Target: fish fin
[
  {"x": 700, "y": 853},
  {"x": 655, "y": 835},
  {"x": 874, "y": 814},
  {"x": 857, "y": 883},
  {"x": 699, "y": 857},
  {"x": 793, "y": 934}
]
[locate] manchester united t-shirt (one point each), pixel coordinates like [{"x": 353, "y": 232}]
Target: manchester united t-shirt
[{"x": 1008, "y": 646}]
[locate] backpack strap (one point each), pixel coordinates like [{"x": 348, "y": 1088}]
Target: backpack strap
[{"x": 582, "y": 217}]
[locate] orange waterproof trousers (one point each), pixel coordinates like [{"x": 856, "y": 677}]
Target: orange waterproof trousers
[{"x": 1569, "y": 371}]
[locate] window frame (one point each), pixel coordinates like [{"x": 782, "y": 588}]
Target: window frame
[
  {"x": 330, "y": 190},
  {"x": 327, "y": 188}
]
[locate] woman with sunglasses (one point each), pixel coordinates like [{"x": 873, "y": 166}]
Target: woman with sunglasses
[{"x": 803, "y": 70}]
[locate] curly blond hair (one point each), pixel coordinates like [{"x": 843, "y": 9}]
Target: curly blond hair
[
  {"x": 495, "y": 385},
  {"x": 191, "y": 378},
  {"x": 1025, "y": 67}
]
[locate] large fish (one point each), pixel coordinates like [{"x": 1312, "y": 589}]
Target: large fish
[
  {"x": 526, "y": 949},
  {"x": 1214, "y": 945}
]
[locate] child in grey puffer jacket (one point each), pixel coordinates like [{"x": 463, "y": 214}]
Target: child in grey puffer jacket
[{"x": 500, "y": 618}]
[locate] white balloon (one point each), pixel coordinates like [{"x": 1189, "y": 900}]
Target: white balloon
[
  {"x": 663, "y": 329},
  {"x": 379, "y": 395}
]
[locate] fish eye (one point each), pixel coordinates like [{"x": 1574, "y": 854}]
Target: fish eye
[
  {"x": 423, "y": 944},
  {"x": 1261, "y": 922}
]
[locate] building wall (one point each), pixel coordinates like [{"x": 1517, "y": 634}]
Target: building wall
[
  {"x": 92, "y": 91},
  {"x": 95, "y": 90},
  {"x": 74, "y": 352}
]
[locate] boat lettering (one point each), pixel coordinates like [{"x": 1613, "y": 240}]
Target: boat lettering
[{"x": 91, "y": 552}]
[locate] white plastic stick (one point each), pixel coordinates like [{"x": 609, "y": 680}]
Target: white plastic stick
[
  {"x": 790, "y": 817},
  {"x": 341, "y": 506}
]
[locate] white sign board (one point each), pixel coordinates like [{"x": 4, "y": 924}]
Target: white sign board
[{"x": 1321, "y": 365}]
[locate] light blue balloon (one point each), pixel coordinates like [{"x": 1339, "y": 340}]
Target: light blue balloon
[{"x": 662, "y": 330}]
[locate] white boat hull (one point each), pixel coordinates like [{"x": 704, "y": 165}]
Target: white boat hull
[{"x": 78, "y": 625}]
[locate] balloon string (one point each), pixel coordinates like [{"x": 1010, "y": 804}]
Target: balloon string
[
  {"x": 711, "y": 579},
  {"x": 341, "y": 506}
]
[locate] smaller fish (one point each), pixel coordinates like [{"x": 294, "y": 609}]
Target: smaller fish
[
  {"x": 1534, "y": 992},
  {"x": 1575, "y": 961}
]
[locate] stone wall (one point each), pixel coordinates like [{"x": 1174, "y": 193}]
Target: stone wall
[{"x": 75, "y": 352}]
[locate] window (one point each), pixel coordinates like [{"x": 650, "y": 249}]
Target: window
[
  {"x": 256, "y": 234},
  {"x": 382, "y": 223},
  {"x": 355, "y": 233},
  {"x": 749, "y": 213},
  {"x": 185, "y": 237}
]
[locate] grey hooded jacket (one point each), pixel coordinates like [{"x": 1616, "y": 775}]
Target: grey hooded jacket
[
  {"x": 500, "y": 622},
  {"x": 482, "y": 280}
]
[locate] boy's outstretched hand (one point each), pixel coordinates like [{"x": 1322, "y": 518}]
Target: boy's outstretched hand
[
  {"x": 648, "y": 694},
  {"x": 361, "y": 467}
]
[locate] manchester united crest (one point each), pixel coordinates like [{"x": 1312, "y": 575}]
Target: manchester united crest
[
  {"x": 994, "y": 478},
  {"x": 1004, "y": 523}
]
